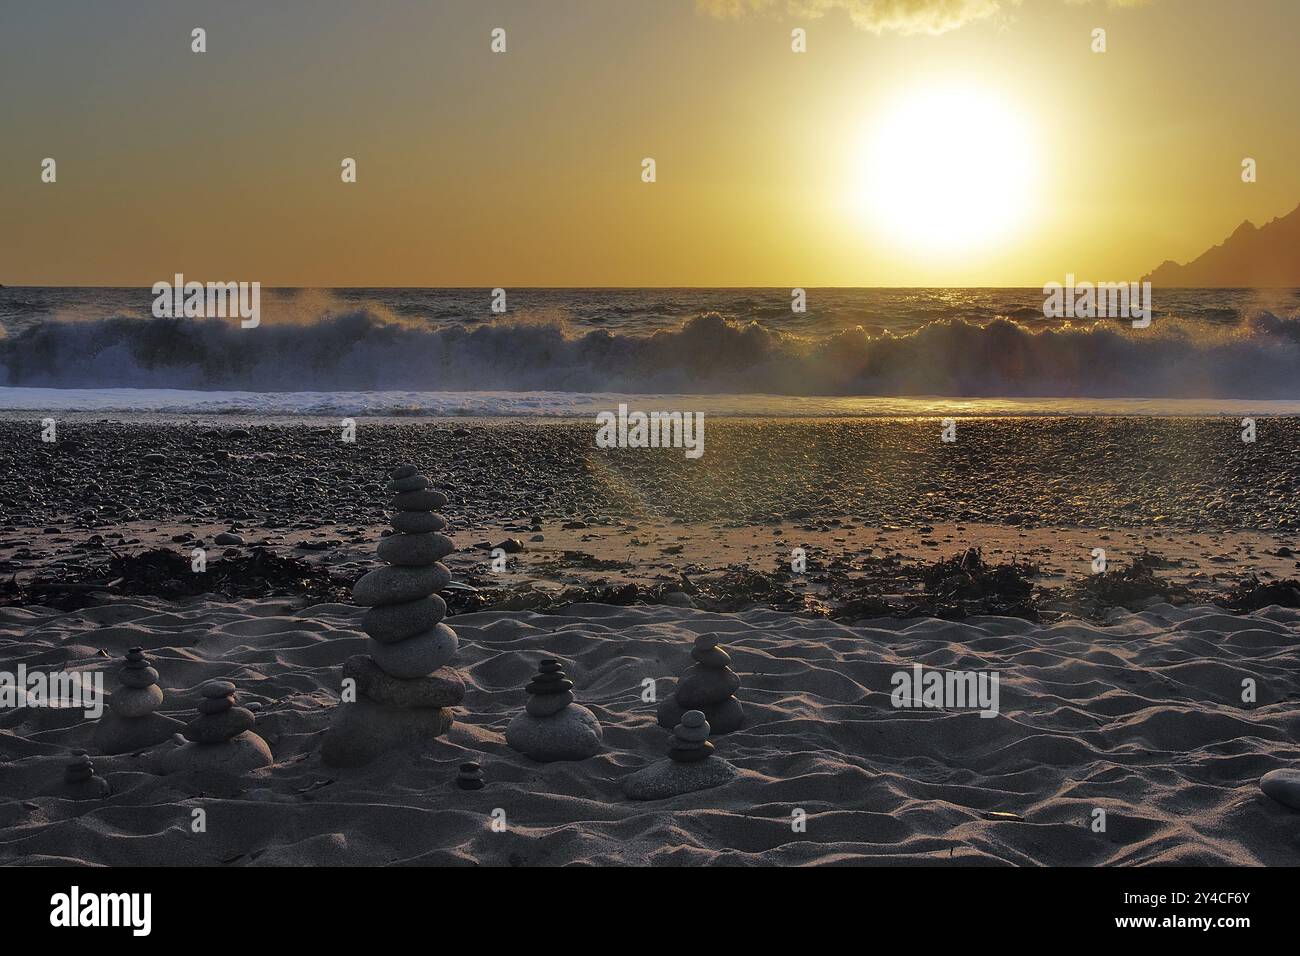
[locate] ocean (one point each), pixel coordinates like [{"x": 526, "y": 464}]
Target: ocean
[{"x": 573, "y": 352}]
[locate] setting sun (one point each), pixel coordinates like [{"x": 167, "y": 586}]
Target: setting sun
[
  {"x": 656, "y": 433},
  {"x": 947, "y": 168}
]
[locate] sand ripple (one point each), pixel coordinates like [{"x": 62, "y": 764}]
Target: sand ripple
[{"x": 1142, "y": 718}]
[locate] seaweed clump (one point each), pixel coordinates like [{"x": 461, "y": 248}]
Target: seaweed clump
[
  {"x": 168, "y": 574},
  {"x": 1252, "y": 594}
]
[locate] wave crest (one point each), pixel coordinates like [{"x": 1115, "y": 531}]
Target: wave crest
[{"x": 370, "y": 348}]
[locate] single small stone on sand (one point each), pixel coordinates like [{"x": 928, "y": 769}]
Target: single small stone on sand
[
  {"x": 131, "y": 723},
  {"x": 553, "y": 727},
  {"x": 470, "y": 776},
  {"x": 221, "y": 737},
  {"x": 405, "y": 688},
  {"x": 1283, "y": 786},
  {"x": 709, "y": 685},
  {"x": 691, "y": 764}
]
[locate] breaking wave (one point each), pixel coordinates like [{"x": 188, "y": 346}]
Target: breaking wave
[{"x": 371, "y": 349}]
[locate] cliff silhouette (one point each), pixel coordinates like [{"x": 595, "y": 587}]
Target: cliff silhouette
[{"x": 1252, "y": 257}]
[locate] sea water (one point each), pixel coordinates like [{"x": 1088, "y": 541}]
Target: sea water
[{"x": 576, "y": 352}]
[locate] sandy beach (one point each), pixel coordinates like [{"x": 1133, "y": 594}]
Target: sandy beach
[
  {"x": 1140, "y": 718},
  {"x": 729, "y": 433},
  {"x": 1119, "y": 694}
]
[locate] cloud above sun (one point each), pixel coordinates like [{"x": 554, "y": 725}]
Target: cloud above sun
[{"x": 882, "y": 16}]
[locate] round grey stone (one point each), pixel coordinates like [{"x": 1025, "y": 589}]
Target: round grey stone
[
  {"x": 415, "y": 549},
  {"x": 572, "y": 734},
  {"x": 389, "y": 623},
  {"x": 124, "y": 735},
  {"x": 702, "y": 685},
  {"x": 426, "y": 500},
  {"x": 228, "y": 538},
  {"x": 218, "y": 728},
  {"x": 137, "y": 676},
  {"x": 689, "y": 751},
  {"x": 136, "y": 701},
  {"x": 441, "y": 688},
  {"x": 216, "y": 688},
  {"x": 723, "y": 717},
  {"x": 691, "y": 734},
  {"x": 361, "y": 732},
  {"x": 409, "y": 483},
  {"x": 216, "y": 705},
  {"x": 1283, "y": 786},
  {"x": 669, "y": 778},
  {"x": 418, "y": 522},
  {"x": 711, "y": 656},
  {"x": 240, "y": 754},
  {"x": 396, "y": 585},
  {"x": 543, "y": 705},
  {"x": 415, "y": 656}
]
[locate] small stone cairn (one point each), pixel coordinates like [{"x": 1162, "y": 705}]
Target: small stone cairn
[
  {"x": 690, "y": 766},
  {"x": 221, "y": 737},
  {"x": 553, "y": 727},
  {"x": 709, "y": 685},
  {"x": 131, "y": 724},
  {"x": 404, "y": 687},
  {"x": 80, "y": 782}
]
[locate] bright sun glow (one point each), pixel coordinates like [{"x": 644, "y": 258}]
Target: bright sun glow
[{"x": 948, "y": 169}]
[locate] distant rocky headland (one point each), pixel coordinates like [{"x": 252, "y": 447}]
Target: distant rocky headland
[{"x": 1252, "y": 257}]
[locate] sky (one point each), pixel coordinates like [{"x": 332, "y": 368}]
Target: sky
[{"x": 525, "y": 168}]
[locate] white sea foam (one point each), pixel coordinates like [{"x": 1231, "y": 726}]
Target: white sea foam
[
  {"x": 322, "y": 346},
  {"x": 498, "y": 404}
]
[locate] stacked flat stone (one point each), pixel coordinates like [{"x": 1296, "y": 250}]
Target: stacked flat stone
[
  {"x": 690, "y": 741},
  {"x": 221, "y": 737},
  {"x": 690, "y": 766},
  {"x": 709, "y": 685},
  {"x": 553, "y": 727},
  {"x": 405, "y": 688},
  {"x": 131, "y": 724},
  {"x": 80, "y": 781}
]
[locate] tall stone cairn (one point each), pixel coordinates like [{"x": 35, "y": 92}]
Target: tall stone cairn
[
  {"x": 404, "y": 687},
  {"x": 131, "y": 723}
]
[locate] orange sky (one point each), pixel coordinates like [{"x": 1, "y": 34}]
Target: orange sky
[{"x": 524, "y": 168}]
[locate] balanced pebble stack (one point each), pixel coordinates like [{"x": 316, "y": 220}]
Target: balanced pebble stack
[
  {"x": 131, "y": 724},
  {"x": 709, "y": 685},
  {"x": 690, "y": 766},
  {"x": 80, "y": 781},
  {"x": 404, "y": 688},
  {"x": 553, "y": 727},
  {"x": 221, "y": 737}
]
